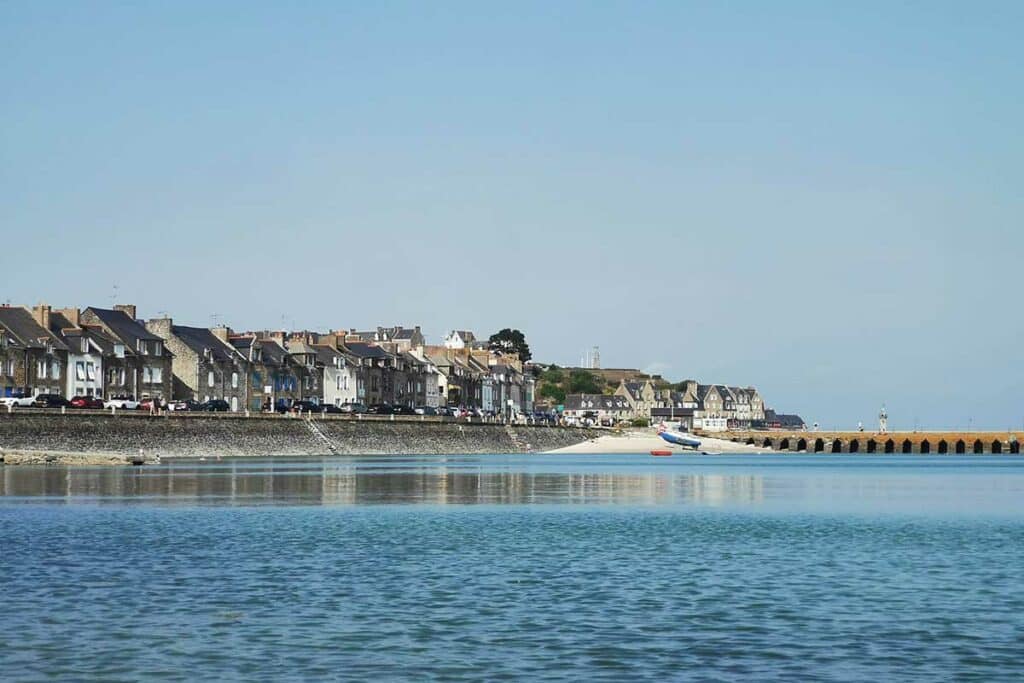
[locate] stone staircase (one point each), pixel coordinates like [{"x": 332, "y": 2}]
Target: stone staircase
[
  {"x": 518, "y": 444},
  {"x": 319, "y": 434}
]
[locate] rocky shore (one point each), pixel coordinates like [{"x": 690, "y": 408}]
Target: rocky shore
[{"x": 100, "y": 439}]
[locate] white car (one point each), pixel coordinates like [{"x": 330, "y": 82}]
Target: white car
[
  {"x": 17, "y": 401},
  {"x": 121, "y": 403}
]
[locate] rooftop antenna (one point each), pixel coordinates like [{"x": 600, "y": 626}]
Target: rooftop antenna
[
  {"x": 114, "y": 294},
  {"x": 215, "y": 319}
]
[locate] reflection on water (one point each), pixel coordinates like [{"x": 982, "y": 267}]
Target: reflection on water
[
  {"x": 372, "y": 481},
  {"x": 872, "y": 484}
]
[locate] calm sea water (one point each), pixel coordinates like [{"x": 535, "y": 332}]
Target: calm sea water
[{"x": 516, "y": 567}]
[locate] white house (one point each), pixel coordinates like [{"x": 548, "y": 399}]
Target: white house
[
  {"x": 459, "y": 339},
  {"x": 340, "y": 385}
]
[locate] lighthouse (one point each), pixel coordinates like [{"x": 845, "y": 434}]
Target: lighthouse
[{"x": 883, "y": 421}]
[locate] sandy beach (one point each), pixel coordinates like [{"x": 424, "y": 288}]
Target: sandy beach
[{"x": 644, "y": 441}]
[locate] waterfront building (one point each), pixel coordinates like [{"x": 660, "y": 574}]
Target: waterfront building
[
  {"x": 33, "y": 360},
  {"x": 204, "y": 365},
  {"x": 87, "y": 348},
  {"x": 641, "y": 395},
  {"x": 597, "y": 408},
  {"x": 141, "y": 365}
]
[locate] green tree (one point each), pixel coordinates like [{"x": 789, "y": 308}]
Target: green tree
[
  {"x": 553, "y": 375},
  {"x": 583, "y": 382},
  {"x": 554, "y": 392},
  {"x": 510, "y": 341}
]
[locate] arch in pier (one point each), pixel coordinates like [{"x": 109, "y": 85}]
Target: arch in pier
[
  {"x": 943, "y": 447},
  {"x": 837, "y": 446},
  {"x": 855, "y": 446},
  {"x": 767, "y": 443},
  {"x": 872, "y": 446},
  {"x": 997, "y": 447},
  {"x": 925, "y": 447},
  {"x": 908, "y": 446},
  {"x": 1015, "y": 447},
  {"x": 961, "y": 447},
  {"x": 979, "y": 447},
  {"x": 819, "y": 445},
  {"x": 784, "y": 445},
  {"x": 750, "y": 441},
  {"x": 801, "y": 445},
  {"x": 890, "y": 446}
]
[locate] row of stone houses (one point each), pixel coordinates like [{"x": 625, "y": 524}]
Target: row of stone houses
[
  {"x": 111, "y": 352},
  {"x": 708, "y": 407}
]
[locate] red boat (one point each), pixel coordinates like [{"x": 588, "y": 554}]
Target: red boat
[{"x": 661, "y": 452}]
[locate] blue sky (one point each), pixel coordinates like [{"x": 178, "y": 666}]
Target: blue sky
[{"x": 820, "y": 200}]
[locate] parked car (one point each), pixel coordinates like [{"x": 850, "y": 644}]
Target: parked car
[
  {"x": 331, "y": 409},
  {"x": 91, "y": 402},
  {"x": 426, "y": 410},
  {"x": 18, "y": 401},
  {"x": 122, "y": 403},
  {"x": 183, "y": 406},
  {"x": 353, "y": 408},
  {"x": 214, "y": 405},
  {"x": 50, "y": 401},
  {"x": 380, "y": 409},
  {"x": 305, "y": 407},
  {"x": 404, "y": 410}
]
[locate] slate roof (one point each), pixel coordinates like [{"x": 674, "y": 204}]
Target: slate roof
[
  {"x": 596, "y": 402},
  {"x": 122, "y": 326},
  {"x": 26, "y": 331},
  {"x": 365, "y": 350},
  {"x": 327, "y": 354},
  {"x": 199, "y": 339}
]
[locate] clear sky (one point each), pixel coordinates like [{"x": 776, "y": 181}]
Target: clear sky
[{"x": 824, "y": 200}]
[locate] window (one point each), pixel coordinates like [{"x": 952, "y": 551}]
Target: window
[
  {"x": 157, "y": 375},
  {"x": 119, "y": 350},
  {"x": 55, "y": 369},
  {"x": 80, "y": 371},
  {"x": 158, "y": 348},
  {"x": 41, "y": 369},
  {"x": 90, "y": 372},
  {"x": 145, "y": 374},
  {"x": 234, "y": 380},
  {"x": 209, "y": 379}
]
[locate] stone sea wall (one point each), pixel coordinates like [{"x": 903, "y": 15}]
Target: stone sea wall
[{"x": 229, "y": 435}]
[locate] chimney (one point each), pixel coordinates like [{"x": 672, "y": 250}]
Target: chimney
[
  {"x": 128, "y": 309},
  {"x": 223, "y": 332},
  {"x": 72, "y": 315},
  {"x": 42, "y": 315},
  {"x": 161, "y": 327}
]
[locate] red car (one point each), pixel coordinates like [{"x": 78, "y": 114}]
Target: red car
[{"x": 87, "y": 402}]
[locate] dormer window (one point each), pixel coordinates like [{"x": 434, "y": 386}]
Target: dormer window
[
  {"x": 158, "y": 348},
  {"x": 119, "y": 350}
]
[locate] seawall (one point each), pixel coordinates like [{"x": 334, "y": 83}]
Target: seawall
[{"x": 198, "y": 435}]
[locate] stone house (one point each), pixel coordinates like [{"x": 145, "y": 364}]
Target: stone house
[
  {"x": 310, "y": 370},
  {"x": 204, "y": 366},
  {"x": 141, "y": 366},
  {"x": 33, "y": 360},
  {"x": 375, "y": 378},
  {"x": 260, "y": 378},
  {"x": 642, "y": 397}
]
